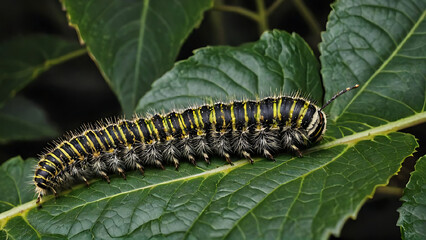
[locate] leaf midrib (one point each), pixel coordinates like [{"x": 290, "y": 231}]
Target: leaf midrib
[
  {"x": 224, "y": 169},
  {"x": 302, "y": 177},
  {"x": 139, "y": 51},
  {"x": 384, "y": 64},
  {"x": 348, "y": 140}
]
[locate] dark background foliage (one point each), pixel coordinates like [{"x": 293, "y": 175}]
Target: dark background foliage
[{"x": 75, "y": 92}]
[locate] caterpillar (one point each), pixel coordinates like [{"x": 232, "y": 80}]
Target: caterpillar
[{"x": 240, "y": 128}]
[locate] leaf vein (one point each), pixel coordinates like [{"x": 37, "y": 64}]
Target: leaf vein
[{"x": 397, "y": 49}]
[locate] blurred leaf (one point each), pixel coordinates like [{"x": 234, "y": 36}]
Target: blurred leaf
[
  {"x": 24, "y": 58},
  {"x": 134, "y": 42},
  {"x": 412, "y": 218},
  {"x": 21, "y": 119},
  {"x": 277, "y": 63}
]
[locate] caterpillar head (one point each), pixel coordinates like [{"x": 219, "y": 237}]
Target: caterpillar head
[{"x": 318, "y": 125}]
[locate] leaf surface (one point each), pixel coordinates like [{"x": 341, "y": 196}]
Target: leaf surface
[
  {"x": 16, "y": 176},
  {"x": 412, "y": 214},
  {"x": 24, "y": 58},
  {"x": 292, "y": 198},
  {"x": 381, "y": 46},
  {"x": 21, "y": 119},
  {"x": 277, "y": 63},
  {"x": 263, "y": 200},
  {"x": 134, "y": 42}
]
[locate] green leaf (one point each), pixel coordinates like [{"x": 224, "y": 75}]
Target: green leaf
[
  {"x": 15, "y": 185},
  {"x": 265, "y": 200},
  {"x": 380, "y": 45},
  {"x": 277, "y": 63},
  {"x": 292, "y": 198},
  {"x": 21, "y": 119},
  {"x": 24, "y": 58},
  {"x": 134, "y": 42},
  {"x": 412, "y": 214}
]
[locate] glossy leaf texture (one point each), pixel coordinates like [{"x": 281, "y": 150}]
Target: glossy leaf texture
[
  {"x": 24, "y": 58},
  {"x": 412, "y": 214},
  {"x": 21, "y": 119},
  {"x": 136, "y": 41},
  {"x": 278, "y": 63},
  {"x": 381, "y": 46},
  {"x": 292, "y": 198}
]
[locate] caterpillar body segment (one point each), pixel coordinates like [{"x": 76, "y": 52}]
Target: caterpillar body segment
[{"x": 240, "y": 128}]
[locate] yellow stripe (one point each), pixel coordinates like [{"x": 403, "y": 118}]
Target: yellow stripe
[
  {"x": 233, "y": 119},
  {"x": 223, "y": 118},
  {"x": 139, "y": 129},
  {"x": 114, "y": 127},
  {"x": 39, "y": 176},
  {"x": 166, "y": 129},
  {"x": 58, "y": 159},
  {"x": 99, "y": 140},
  {"x": 70, "y": 160},
  {"x": 171, "y": 124},
  {"x": 197, "y": 124},
  {"x": 81, "y": 145},
  {"x": 257, "y": 116},
  {"x": 121, "y": 132},
  {"x": 165, "y": 126},
  {"x": 131, "y": 133},
  {"x": 155, "y": 130},
  {"x": 275, "y": 113},
  {"x": 190, "y": 122},
  {"x": 74, "y": 149},
  {"x": 246, "y": 117},
  {"x": 302, "y": 114},
  {"x": 212, "y": 117},
  {"x": 279, "y": 108},
  {"x": 52, "y": 165},
  {"x": 181, "y": 124},
  {"x": 198, "y": 121},
  {"x": 288, "y": 123},
  {"x": 149, "y": 130},
  {"x": 64, "y": 152},
  {"x": 194, "y": 114},
  {"x": 90, "y": 142},
  {"x": 200, "y": 117},
  {"x": 109, "y": 136}
]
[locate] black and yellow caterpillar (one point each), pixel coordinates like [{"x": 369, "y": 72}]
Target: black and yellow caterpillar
[{"x": 242, "y": 128}]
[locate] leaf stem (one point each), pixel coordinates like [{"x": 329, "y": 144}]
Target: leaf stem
[
  {"x": 308, "y": 16},
  {"x": 273, "y": 6},
  {"x": 238, "y": 10},
  {"x": 263, "y": 17},
  {"x": 216, "y": 23},
  {"x": 64, "y": 58},
  {"x": 388, "y": 190},
  {"x": 371, "y": 133}
]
